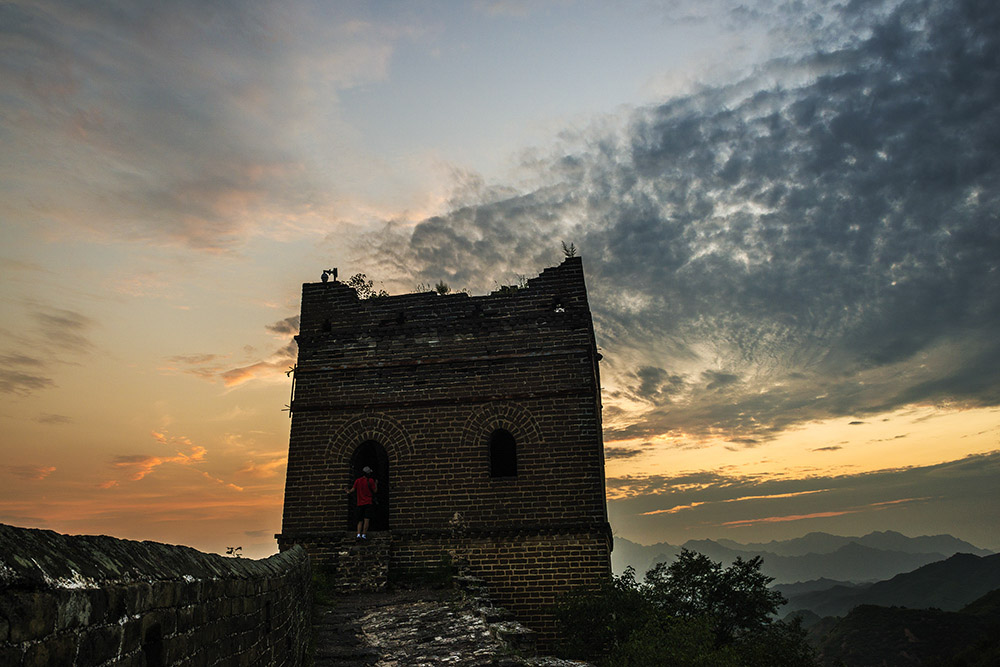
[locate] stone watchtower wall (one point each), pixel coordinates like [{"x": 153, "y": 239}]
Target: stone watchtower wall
[
  {"x": 482, "y": 419},
  {"x": 86, "y": 600}
]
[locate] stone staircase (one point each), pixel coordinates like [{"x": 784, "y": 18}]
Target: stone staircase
[{"x": 360, "y": 565}]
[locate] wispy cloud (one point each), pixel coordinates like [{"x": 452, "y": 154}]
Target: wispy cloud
[
  {"x": 30, "y": 472},
  {"x": 193, "y": 359},
  {"x": 57, "y": 335},
  {"x": 274, "y": 368},
  {"x": 52, "y": 419},
  {"x": 20, "y": 359},
  {"x": 21, "y": 383},
  {"x": 265, "y": 469},
  {"x": 740, "y": 523},
  {"x": 286, "y": 327},
  {"x": 621, "y": 452},
  {"x": 138, "y": 466},
  {"x": 791, "y": 517},
  {"x": 679, "y": 508},
  {"x": 219, "y": 368},
  {"x": 65, "y": 329},
  {"x": 21, "y": 374}
]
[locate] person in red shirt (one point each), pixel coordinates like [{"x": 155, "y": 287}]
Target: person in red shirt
[{"x": 365, "y": 487}]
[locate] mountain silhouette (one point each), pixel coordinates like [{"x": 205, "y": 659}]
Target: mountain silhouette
[
  {"x": 889, "y": 540},
  {"x": 874, "y": 635},
  {"x": 949, "y": 585},
  {"x": 872, "y": 557}
]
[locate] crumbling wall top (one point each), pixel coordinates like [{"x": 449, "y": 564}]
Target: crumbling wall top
[{"x": 333, "y": 307}]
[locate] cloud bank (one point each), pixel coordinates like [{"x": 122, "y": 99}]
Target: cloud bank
[
  {"x": 819, "y": 239},
  {"x": 954, "y": 496}
]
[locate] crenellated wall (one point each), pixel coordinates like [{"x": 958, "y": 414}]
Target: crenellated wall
[{"x": 96, "y": 600}]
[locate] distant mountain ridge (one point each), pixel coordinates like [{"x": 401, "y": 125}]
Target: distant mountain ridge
[
  {"x": 872, "y": 557},
  {"x": 889, "y": 540},
  {"x": 949, "y": 585}
]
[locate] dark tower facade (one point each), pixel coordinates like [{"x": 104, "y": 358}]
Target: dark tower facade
[{"x": 481, "y": 417}]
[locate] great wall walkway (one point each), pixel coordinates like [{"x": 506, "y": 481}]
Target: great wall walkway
[
  {"x": 416, "y": 627},
  {"x": 451, "y": 623},
  {"x": 412, "y": 628}
]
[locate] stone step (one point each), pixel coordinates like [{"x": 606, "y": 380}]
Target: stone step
[{"x": 360, "y": 565}]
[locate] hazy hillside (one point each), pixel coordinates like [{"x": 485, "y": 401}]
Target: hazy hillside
[
  {"x": 802, "y": 587},
  {"x": 819, "y": 543},
  {"x": 815, "y": 556},
  {"x": 640, "y": 557},
  {"x": 949, "y": 585},
  {"x": 872, "y": 635}
]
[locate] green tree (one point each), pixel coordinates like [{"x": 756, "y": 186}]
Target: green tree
[
  {"x": 692, "y": 612},
  {"x": 365, "y": 287},
  {"x": 736, "y": 599},
  {"x": 597, "y": 622}
]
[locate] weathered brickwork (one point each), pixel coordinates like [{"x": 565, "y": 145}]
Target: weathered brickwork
[
  {"x": 430, "y": 380},
  {"x": 87, "y": 600},
  {"x": 525, "y": 573}
]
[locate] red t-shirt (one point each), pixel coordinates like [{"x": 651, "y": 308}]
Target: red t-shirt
[{"x": 364, "y": 487}]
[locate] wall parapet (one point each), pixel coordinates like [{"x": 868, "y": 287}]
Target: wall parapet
[{"x": 98, "y": 600}]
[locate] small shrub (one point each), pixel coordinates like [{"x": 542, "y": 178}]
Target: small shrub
[{"x": 365, "y": 287}]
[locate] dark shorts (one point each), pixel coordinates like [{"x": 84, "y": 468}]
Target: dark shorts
[{"x": 364, "y": 512}]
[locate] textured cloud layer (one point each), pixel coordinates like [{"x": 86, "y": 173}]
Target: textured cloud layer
[{"x": 817, "y": 240}]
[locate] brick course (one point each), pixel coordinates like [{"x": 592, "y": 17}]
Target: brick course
[{"x": 429, "y": 378}]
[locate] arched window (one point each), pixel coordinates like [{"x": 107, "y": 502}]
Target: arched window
[{"x": 503, "y": 454}]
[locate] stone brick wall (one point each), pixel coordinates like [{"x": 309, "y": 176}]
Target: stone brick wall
[
  {"x": 429, "y": 378},
  {"x": 96, "y": 600},
  {"x": 524, "y": 572}
]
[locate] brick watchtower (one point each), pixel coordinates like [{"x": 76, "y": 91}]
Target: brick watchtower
[{"x": 481, "y": 417}]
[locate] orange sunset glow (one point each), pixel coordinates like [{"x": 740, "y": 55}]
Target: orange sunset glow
[{"x": 788, "y": 220}]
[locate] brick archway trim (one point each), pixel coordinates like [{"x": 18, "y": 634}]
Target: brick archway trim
[
  {"x": 507, "y": 415},
  {"x": 372, "y": 426}
]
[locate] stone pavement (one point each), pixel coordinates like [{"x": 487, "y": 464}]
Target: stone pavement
[{"x": 413, "y": 628}]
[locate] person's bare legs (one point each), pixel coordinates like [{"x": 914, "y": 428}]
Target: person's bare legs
[
  {"x": 359, "y": 525},
  {"x": 365, "y": 531}
]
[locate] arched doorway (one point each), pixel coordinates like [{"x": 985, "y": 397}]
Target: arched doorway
[{"x": 370, "y": 453}]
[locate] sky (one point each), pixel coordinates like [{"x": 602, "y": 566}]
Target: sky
[{"x": 787, "y": 213}]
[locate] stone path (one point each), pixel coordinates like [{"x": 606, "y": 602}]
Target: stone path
[
  {"x": 410, "y": 628},
  {"x": 338, "y": 636}
]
